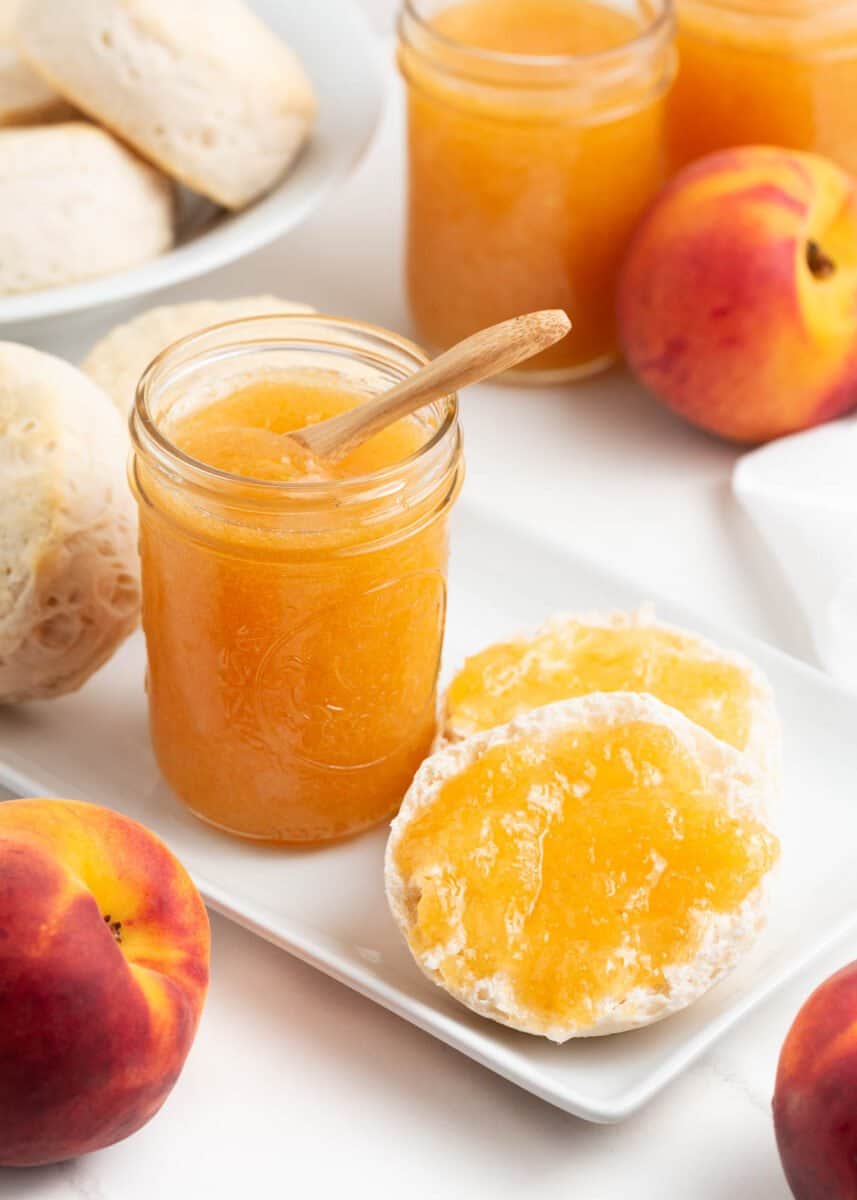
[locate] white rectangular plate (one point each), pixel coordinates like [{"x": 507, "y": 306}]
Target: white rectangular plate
[{"x": 327, "y": 906}]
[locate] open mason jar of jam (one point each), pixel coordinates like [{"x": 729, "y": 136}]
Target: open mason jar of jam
[{"x": 293, "y": 611}]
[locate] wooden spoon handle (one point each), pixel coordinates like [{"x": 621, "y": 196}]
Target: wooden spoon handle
[{"x": 478, "y": 357}]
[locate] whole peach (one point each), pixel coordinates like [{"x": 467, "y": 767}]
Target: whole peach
[
  {"x": 104, "y": 951},
  {"x": 737, "y": 300},
  {"x": 815, "y": 1099}
]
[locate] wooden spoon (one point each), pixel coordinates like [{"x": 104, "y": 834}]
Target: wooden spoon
[{"x": 478, "y": 357}]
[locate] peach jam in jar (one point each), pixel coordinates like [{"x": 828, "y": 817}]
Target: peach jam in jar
[
  {"x": 293, "y": 608},
  {"x": 536, "y": 137},
  {"x": 774, "y": 72}
]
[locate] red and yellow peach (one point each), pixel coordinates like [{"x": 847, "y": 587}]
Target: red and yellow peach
[
  {"x": 104, "y": 953},
  {"x": 815, "y": 1100},
  {"x": 738, "y": 297}
]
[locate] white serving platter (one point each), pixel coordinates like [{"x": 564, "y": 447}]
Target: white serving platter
[
  {"x": 341, "y": 55},
  {"x": 327, "y": 906}
]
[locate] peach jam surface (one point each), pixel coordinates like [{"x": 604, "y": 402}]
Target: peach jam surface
[
  {"x": 576, "y": 867},
  {"x": 293, "y": 610},
  {"x": 245, "y": 433},
  {"x": 771, "y": 72},
  {"x": 570, "y": 658},
  {"x": 536, "y": 137}
]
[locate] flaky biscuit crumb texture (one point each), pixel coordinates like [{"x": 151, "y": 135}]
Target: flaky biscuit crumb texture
[
  {"x": 724, "y": 936},
  {"x": 207, "y": 91},
  {"x": 69, "y": 576}
]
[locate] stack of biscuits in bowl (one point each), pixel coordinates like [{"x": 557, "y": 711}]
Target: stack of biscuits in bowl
[{"x": 107, "y": 107}]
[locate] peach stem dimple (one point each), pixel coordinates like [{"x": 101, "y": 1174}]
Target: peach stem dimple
[
  {"x": 821, "y": 266},
  {"x": 115, "y": 927}
]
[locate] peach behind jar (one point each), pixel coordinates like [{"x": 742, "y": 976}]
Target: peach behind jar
[
  {"x": 778, "y": 72},
  {"x": 293, "y": 630},
  {"x": 527, "y": 173}
]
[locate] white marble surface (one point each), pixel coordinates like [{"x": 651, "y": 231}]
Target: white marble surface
[{"x": 297, "y": 1086}]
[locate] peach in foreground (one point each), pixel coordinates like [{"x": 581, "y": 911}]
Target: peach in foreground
[
  {"x": 815, "y": 1101},
  {"x": 104, "y": 956}
]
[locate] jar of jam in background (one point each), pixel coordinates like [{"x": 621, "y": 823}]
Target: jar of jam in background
[
  {"x": 775, "y": 72},
  {"x": 536, "y": 137}
]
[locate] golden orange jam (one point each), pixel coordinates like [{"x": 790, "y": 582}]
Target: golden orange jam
[
  {"x": 246, "y": 432},
  {"x": 535, "y": 139},
  {"x": 575, "y": 868},
  {"x": 293, "y": 609},
  {"x": 570, "y": 658},
  {"x": 779, "y": 72}
]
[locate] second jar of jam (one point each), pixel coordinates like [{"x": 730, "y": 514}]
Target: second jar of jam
[
  {"x": 782, "y": 72},
  {"x": 536, "y": 136}
]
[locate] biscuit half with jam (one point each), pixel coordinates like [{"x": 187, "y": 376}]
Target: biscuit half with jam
[
  {"x": 577, "y": 654},
  {"x": 591, "y": 867}
]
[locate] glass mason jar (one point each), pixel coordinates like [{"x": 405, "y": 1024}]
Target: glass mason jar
[
  {"x": 527, "y": 175},
  {"x": 293, "y": 630},
  {"x": 777, "y": 72}
]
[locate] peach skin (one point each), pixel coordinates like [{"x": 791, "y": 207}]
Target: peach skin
[
  {"x": 104, "y": 951},
  {"x": 737, "y": 300},
  {"x": 815, "y": 1100}
]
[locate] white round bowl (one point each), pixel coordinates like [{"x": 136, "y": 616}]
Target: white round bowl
[{"x": 339, "y": 51}]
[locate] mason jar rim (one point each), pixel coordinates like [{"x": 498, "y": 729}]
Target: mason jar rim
[
  {"x": 779, "y": 10},
  {"x": 658, "y": 29},
  {"x": 816, "y": 30},
  {"x": 148, "y": 437}
]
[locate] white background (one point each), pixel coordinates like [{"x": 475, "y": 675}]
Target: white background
[{"x": 296, "y": 1087}]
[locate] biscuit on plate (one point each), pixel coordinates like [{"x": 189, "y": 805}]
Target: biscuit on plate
[
  {"x": 573, "y": 654},
  {"x": 69, "y": 576},
  {"x": 117, "y": 361},
  {"x": 591, "y": 867},
  {"x": 207, "y": 91},
  {"x": 76, "y": 204}
]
